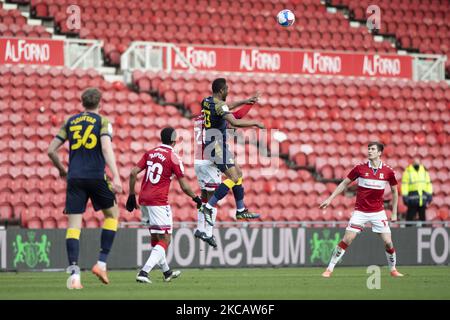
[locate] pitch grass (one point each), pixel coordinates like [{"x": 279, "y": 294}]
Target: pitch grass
[{"x": 431, "y": 282}]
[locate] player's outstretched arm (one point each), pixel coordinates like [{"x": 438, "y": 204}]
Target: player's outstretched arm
[
  {"x": 187, "y": 190},
  {"x": 133, "y": 178},
  {"x": 240, "y": 123},
  {"x": 252, "y": 100},
  {"x": 242, "y": 112},
  {"x": 339, "y": 189},
  {"x": 110, "y": 159},
  {"x": 131, "y": 201},
  {"x": 394, "y": 191},
  {"x": 53, "y": 155}
]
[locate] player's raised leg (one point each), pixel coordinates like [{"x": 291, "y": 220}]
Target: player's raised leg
[
  {"x": 339, "y": 252},
  {"x": 209, "y": 237},
  {"x": 207, "y": 229},
  {"x": 200, "y": 231},
  {"x": 238, "y": 192},
  {"x": 390, "y": 254},
  {"x": 73, "y": 250},
  {"x": 234, "y": 182},
  {"x": 221, "y": 192}
]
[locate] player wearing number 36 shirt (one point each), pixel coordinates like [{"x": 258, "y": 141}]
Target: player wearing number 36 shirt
[{"x": 161, "y": 164}]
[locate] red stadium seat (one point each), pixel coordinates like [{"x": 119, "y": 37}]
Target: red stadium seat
[
  {"x": 92, "y": 223},
  {"x": 6, "y": 212},
  {"x": 49, "y": 223},
  {"x": 443, "y": 214},
  {"x": 34, "y": 223}
]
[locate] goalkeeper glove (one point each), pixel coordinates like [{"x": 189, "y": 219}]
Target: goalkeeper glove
[
  {"x": 198, "y": 201},
  {"x": 131, "y": 203}
]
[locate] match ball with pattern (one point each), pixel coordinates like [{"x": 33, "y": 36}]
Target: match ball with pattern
[{"x": 285, "y": 18}]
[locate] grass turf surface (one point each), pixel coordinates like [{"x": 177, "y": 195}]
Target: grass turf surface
[{"x": 430, "y": 282}]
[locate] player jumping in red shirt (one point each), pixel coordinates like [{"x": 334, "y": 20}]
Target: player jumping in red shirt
[
  {"x": 160, "y": 165},
  {"x": 372, "y": 179}
]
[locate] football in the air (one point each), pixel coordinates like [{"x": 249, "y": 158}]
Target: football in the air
[{"x": 285, "y": 18}]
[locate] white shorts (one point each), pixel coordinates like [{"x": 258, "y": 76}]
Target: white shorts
[
  {"x": 208, "y": 175},
  {"x": 378, "y": 220},
  {"x": 159, "y": 218}
]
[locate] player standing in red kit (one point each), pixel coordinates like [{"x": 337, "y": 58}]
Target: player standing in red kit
[
  {"x": 160, "y": 164},
  {"x": 372, "y": 179}
]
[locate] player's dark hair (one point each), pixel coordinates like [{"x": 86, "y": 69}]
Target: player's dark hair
[
  {"x": 218, "y": 84},
  {"x": 380, "y": 146},
  {"x": 168, "y": 135},
  {"x": 91, "y": 98}
]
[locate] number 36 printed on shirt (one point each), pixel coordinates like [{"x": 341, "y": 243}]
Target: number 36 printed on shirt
[{"x": 88, "y": 140}]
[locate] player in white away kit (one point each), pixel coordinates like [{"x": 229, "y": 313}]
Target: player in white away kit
[
  {"x": 208, "y": 175},
  {"x": 372, "y": 179},
  {"x": 160, "y": 165},
  {"x": 209, "y": 178}
]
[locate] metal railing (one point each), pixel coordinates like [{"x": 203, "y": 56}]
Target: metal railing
[
  {"x": 429, "y": 67},
  {"x": 154, "y": 56},
  {"x": 157, "y": 56},
  {"x": 81, "y": 53}
]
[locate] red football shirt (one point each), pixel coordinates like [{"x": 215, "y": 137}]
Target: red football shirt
[
  {"x": 160, "y": 165},
  {"x": 371, "y": 185}
]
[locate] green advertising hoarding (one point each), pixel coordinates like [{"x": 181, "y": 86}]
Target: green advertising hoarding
[{"x": 27, "y": 249}]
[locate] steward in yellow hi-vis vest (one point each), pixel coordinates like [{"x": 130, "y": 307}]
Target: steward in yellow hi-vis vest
[{"x": 417, "y": 190}]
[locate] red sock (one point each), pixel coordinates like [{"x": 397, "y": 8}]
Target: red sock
[
  {"x": 390, "y": 251},
  {"x": 154, "y": 243},
  {"x": 162, "y": 244},
  {"x": 343, "y": 245}
]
